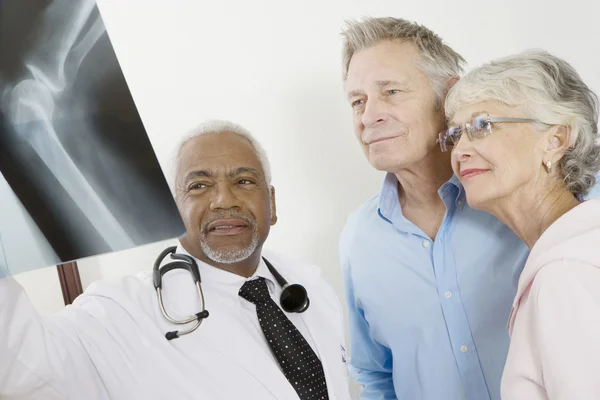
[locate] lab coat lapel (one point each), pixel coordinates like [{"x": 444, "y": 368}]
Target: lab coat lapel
[
  {"x": 230, "y": 337},
  {"x": 227, "y": 331},
  {"x": 328, "y": 349},
  {"x": 318, "y": 318}
]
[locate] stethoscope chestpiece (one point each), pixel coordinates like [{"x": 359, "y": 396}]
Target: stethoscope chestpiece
[{"x": 294, "y": 298}]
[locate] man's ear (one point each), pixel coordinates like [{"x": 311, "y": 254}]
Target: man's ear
[
  {"x": 449, "y": 84},
  {"x": 558, "y": 142},
  {"x": 273, "y": 206}
]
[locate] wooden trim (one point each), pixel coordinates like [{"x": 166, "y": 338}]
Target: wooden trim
[{"x": 70, "y": 282}]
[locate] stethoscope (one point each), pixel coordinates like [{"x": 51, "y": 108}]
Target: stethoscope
[{"x": 293, "y": 298}]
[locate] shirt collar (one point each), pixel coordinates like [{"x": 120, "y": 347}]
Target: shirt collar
[
  {"x": 389, "y": 207},
  {"x": 388, "y": 197},
  {"x": 455, "y": 190},
  {"x": 229, "y": 283}
]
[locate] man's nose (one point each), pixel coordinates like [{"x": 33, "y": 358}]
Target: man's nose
[
  {"x": 224, "y": 197},
  {"x": 375, "y": 112}
]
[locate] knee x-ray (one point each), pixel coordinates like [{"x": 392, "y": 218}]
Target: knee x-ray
[{"x": 79, "y": 176}]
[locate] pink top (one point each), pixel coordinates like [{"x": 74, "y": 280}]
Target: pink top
[{"x": 555, "y": 321}]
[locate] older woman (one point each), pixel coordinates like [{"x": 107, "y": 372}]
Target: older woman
[{"x": 525, "y": 146}]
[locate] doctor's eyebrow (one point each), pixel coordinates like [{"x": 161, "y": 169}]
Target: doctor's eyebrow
[
  {"x": 243, "y": 170},
  {"x": 203, "y": 173},
  {"x": 198, "y": 174}
]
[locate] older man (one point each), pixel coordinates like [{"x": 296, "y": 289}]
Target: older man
[
  {"x": 429, "y": 281},
  {"x": 110, "y": 344}
]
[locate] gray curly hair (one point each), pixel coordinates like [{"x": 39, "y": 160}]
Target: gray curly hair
[{"x": 550, "y": 90}]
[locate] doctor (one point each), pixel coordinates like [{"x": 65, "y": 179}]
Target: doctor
[{"x": 110, "y": 344}]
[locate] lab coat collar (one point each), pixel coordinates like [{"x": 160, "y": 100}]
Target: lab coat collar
[{"x": 230, "y": 282}]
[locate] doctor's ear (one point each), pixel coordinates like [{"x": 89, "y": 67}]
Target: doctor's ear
[
  {"x": 273, "y": 206},
  {"x": 558, "y": 143}
]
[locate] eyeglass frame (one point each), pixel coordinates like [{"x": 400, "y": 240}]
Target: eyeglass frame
[{"x": 443, "y": 136}]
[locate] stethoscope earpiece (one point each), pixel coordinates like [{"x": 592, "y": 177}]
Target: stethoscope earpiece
[{"x": 182, "y": 261}]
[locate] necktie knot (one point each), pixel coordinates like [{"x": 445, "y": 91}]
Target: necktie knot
[{"x": 255, "y": 291}]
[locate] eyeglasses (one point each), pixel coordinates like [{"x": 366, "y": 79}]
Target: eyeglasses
[{"x": 478, "y": 128}]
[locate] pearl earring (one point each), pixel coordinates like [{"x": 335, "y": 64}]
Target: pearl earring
[{"x": 549, "y": 166}]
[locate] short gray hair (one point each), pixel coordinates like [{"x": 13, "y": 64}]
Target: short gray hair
[
  {"x": 439, "y": 61},
  {"x": 218, "y": 126},
  {"x": 550, "y": 90}
]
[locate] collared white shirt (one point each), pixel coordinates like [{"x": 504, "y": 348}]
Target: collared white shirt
[{"x": 225, "y": 286}]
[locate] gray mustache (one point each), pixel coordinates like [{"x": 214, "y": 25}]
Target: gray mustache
[{"x": 228, "y": 215}]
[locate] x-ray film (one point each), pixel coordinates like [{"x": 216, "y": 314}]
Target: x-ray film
[{"x": 78, "y": 175}]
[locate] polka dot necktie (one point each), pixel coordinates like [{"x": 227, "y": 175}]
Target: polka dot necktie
[{"x": 298, "y": 361}]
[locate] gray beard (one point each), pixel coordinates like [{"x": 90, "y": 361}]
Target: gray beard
[
  {"x": 229, "y": 256},
  {"x": 237, "y": 255}
]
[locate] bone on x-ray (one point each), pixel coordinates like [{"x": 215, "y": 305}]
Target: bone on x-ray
[{"x": 78, "y": 175}]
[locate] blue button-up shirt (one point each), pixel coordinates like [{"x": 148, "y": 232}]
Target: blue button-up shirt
[{"x": 427, "y": 318}]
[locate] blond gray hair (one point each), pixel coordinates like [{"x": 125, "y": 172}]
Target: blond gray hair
[
  {"x": 438, "y": 60},
  {"x": 218, "y": 127},
  {"x": 548, "y": 89}
]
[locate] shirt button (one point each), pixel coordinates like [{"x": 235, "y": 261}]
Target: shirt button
[
  {"x": 425, "y": 243},
  {"x": 460, "y": 203},
  {"x": 448, "y": 294},
  {"x": 463, "y": 348}
]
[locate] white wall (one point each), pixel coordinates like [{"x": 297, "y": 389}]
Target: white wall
[{"x": 274, "y": 67}]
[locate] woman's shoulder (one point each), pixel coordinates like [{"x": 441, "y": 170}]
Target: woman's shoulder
[{"x": 568, "y": 276}]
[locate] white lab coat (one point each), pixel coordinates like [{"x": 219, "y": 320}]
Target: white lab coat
[{"x": 110, "y": 343}]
